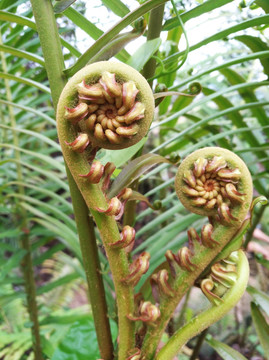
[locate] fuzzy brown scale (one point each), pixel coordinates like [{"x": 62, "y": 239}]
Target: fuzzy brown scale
[
  {"x": 223, "y": 276},
  {"x": 212, "y": 184}
]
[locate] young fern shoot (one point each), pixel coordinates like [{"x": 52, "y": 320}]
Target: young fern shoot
[
  {"x": 106, "y": 105},
  {"x": 211, "y": 182}
]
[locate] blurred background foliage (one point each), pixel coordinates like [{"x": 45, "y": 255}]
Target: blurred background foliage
[{"x": 217, "y": 51}]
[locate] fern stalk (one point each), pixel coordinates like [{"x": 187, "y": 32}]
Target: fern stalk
[
  {"x": 27, "y": 263},
  {"x": 51, "y": 47},
  {"x": 154, "y": 31}
]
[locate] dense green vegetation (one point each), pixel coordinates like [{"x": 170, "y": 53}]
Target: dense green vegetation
[{"x": 213, "y": 56}]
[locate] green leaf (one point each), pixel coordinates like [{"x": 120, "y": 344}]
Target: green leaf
[
  {"x": 56, "y": 283},
  {"x": 46, "y": 192},
  {"x": 36, "y": 135},
  {"x": 214, "y": 138},
  {"x": 262, "y": 328},
  {"x": 144, "y": 53},
  {"x": 24, "y": 21},
  {"x": 203, "y": 121},
  {"x": 197, "y": 11},
  {"x": 119, "y": 157},
  {"x": 45, "y": 173},
  {"x": 137, "y": 196},
  {"x": 260, "y": 298},
  {"x": 161, "y": 239},
  {"x": 67, "y": 237},
  {"x": 249, "y": 96},
  {"x": 236, "y": 118},
  {"x": 21, "y": 20},
  {"x": 83, "y": 23},
  {"x": 116, "y": 45},
  {"x": 9, "y": 234},
  {"x": 256, "y": 45},
  {"x": 62, "y": 319},
  {"x": 260, "y": 20},
  {"x": 109, "y": 35},
  {"x": 225, "y": 351},
  {"x": 11, "y": 263},
  {"x": 80, "y": 343},
  {"x": 22, "y": 54},
  {"x": 248, "y": 57},
  {"x": 50, "y": 208},
  {"x": 25, "y": 81},
  {"x": 47, "y": 347},
  {"x": 48, "y": 254},
  {"x": 29, "y": 109},
  {"x": 134, "y": 170},
  {"x": 42, "y": 157},
  {"x": 62, "y": 5},
  {"x": 211, "y": 97},
  {"x": 117, "y": 7},
  {"x": 90, "y": 29},
  {"x": 263, "y": 4}
]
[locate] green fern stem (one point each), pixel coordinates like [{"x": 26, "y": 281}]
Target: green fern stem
[
  {"x": 223, "y": 232},
  {"x": 209, "y": 316},
  {"x": 154, "y": 30}
]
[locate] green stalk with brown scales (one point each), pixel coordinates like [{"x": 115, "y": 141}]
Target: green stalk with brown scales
[{"x": 106, "y": 105}]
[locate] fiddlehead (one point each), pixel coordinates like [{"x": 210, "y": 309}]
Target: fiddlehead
[
  {"x": 110, "y": 102},
  {"x": 216, "y": 183},
  {"x": 106, "y": 105},
  {"x": 213, "y": 179},
  {"x": 223, "y": 300}
]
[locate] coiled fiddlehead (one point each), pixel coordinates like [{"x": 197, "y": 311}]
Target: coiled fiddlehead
[
  {"x": 213, "y": 179},
  {"x": 110, "y": 102},
  {"x": 216, "y": 183},
  {"x": 106, "y": 105}
]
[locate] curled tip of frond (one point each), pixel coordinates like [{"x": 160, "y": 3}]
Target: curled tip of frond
[
  {"x": 135, "y": 354},
  {"x": 181, "y": 259},
  {"x": 125, "y": 194},
  {"x": 215, "y": 182},
  {"x": 80, "y": 143},
  {"x": 207, "y": 285},
  {"x": 114, "y": 101},
  {"x": 222, "y": 277},
  {"x": 108, "y": 171},
  {"x": 77, "y": 113},
  {"x": 95, "y": 174},
  {"x": 138, "y": 268},
  {"x": 127, "y": 238},
  {"x": 195, "y": 88},
  {"x": 114, "y": 207},
  {"x": 162, "y": 280},
  {"x": 206, "y": 235},
  {"x": 147, "y": 313}
]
